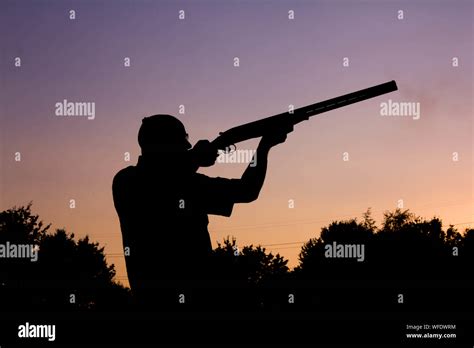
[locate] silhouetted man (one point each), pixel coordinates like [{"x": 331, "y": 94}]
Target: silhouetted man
[{"x": 162, "y": 203}]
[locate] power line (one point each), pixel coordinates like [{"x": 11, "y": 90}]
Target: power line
[
  {"x": 267, "y": 245},
  {"x": 289, "y": 243},
  {"x": 301, "y": 222},
  {"x": 286, "y": 243},
  {"x": 312, "y": 221},
  {"x": 462, "y": 223},
  {"x": 291, "y": 247}
]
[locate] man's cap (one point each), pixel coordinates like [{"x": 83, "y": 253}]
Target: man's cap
[{"x": 161, "y": 130}]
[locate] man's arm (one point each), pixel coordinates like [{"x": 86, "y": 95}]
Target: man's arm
[
  {"x": 253, "y": 178},
  {"x": 225, "y": 192}
]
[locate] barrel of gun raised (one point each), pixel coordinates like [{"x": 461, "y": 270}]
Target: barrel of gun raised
[
  {"x": 307, "y": 111},
  {"x": 269, "y": 124}
]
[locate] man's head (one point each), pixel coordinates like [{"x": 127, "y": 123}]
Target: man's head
[{"x": 162, "y": 134}]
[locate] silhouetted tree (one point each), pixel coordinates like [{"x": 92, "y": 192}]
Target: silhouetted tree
[
  {"x": 74, "y": 274},
  {"x": 404, "y": 247},
  {"x": 313, "y": 260},
  {"x": 409, "y": 247},
  {"x": 67, "y": 273},
  {"x": 252, "y": 264}
]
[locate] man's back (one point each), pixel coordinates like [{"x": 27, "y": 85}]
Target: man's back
[{"x": 163, "y": 217}]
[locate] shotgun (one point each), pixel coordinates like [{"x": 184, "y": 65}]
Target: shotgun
[{"x": 256, "y": 129}]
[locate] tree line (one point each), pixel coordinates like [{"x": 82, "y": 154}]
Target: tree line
[{"x": 72, "y": 273}]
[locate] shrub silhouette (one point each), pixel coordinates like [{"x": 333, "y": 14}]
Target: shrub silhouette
[
  {"x": 251, "y": 264},
  {"x": 68, "y": 274},
  {"x": 404, "y": 248}
]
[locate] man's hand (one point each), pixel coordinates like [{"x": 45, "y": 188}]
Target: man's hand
[
  {"x": 204, "y": 154},
  {"x": 274, "y": 138}
]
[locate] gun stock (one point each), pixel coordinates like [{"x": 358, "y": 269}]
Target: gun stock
[{"x": 267, "y": 125}]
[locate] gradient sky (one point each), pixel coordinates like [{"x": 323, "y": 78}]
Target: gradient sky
[{"x": 282, "y": 62}]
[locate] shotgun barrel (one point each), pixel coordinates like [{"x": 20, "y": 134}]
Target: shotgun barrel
[{"x": 267, "y": 125}]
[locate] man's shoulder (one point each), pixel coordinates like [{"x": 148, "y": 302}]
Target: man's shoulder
[{"x": 125, "y": 174}]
